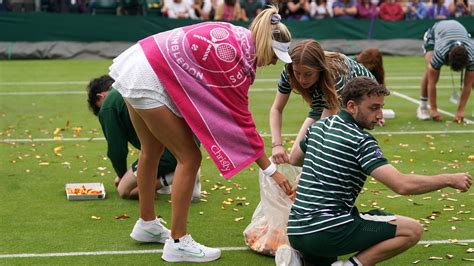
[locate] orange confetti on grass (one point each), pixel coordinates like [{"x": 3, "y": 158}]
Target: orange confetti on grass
[
  {"x": 121, "y": 217},
  {"x": 58, "y": 149}
]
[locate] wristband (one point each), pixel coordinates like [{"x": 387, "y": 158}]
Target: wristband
[{"x": 270, "y": 170}]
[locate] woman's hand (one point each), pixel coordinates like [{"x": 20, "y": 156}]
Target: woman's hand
[
  {"x": 279, "y": 154},
  {"x": 283, "y": 182}
]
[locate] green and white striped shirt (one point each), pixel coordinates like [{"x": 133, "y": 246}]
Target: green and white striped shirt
[
  {"x": 318, "y": 102},
  {"x": 446, "y": 34},
  {"x": 338, "y": 158}
]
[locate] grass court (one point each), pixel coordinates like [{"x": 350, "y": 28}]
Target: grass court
[{"x": 49, "y": 138}]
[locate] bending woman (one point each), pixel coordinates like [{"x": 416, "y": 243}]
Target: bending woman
[
  {"x": 319, "y": 76},
  {"x": 196, "y": 79}
]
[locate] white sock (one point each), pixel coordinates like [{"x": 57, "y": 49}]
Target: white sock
[
  {"x": 355, "y": 260},
  {"x": 423, "y": 102},
  {"x": 350, "y": 262}
]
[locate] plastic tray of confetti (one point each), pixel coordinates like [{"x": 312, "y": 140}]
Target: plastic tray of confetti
[{"x": 85, "y": 191}]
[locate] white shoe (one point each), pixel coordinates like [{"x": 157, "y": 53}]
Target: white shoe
[
  {"x": 197, "y": 189},
  {"x": 423, "y": 113},
  {"x": 287, "y": 256},
  {"x": 164, "y": 190},
  {"x": 188, "y": 250},
  {"x": 150, "y": 232}
]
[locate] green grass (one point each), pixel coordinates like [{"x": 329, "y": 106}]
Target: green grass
[{"x": 36, "y": 217}]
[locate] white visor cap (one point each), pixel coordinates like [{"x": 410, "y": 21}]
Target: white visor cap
[{"x": 281, "y": 50}]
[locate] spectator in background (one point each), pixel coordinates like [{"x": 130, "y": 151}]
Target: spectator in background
[
  {"x": 391, "y": 10},
  {"x": 229, "y": 10},
  {"x": 367, "y": 10},
  {"x": 249, "y": 9},
  {"x": 459, "y": 8},
  {"x": 415, "y": 10},
  {"x": 200, "y": 9},
  {"x": 298, "y": 10},
  {"x": 319, "y": 9},
  {"x": 179, "y": 9},
  {"x": 344, "y": 9},
  {"x": 437, "y": 10}
]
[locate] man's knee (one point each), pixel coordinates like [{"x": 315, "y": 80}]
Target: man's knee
[
  {"x": 123, "y": 194},
  {"x": 416, "y": 231}
]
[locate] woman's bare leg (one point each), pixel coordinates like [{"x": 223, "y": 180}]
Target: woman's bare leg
[
  {"x": 172, "y": 132},
  {"x": 150, "y": 154}
]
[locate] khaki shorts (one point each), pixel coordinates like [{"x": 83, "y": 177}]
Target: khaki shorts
[{"x": 367, "y": 230}]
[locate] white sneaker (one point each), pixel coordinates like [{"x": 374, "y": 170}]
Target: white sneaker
[
  {"x": 164, "y": 190},
  {"x": 197, "y": 189},
  {"x": 287, "y": 256},
  {"x": 423, "y": 113},
  {"x": 188, "y": 250},
  {"x": 150, "y": 232}
]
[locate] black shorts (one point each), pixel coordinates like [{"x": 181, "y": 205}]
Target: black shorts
[{"x": 367, "y": 230}]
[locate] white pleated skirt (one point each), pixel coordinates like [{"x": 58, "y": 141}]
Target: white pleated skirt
[{"x": 137, "y": 82}]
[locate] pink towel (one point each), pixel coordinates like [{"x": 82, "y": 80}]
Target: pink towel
[{"x": 207, "y": 69}]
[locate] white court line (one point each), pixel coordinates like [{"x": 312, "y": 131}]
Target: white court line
[
  {"x": 413, "y": 100},
  {"x": 152, "y": 251},
  {"x": 433, "y": 132}
]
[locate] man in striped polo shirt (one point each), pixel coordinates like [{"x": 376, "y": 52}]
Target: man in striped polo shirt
[
  {"x": 446, "y": 43},
  {"x": 337, "y": 155}
]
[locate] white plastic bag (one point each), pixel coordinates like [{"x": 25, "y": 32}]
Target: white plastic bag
[{"x": 267, "y": 230}]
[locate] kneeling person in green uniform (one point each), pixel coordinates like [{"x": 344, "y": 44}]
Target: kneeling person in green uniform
[
  {"x": 337, "y": 155},
  {"x": 108, "y": 105}
]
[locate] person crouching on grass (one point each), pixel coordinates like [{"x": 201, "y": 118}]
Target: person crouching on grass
[
  {"x": 109, "y": 107},
  {"x": 337, "y": 155}
]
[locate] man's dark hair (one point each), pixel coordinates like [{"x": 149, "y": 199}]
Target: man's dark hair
[
  {"x": 96, "y": 86},
  {"x": 458, "y": 58},
  {"x": 359, "y": 87}
]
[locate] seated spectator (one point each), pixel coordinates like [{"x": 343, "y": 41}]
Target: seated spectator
[
  {"x": 367, "y": 10},
  {"x": 459, "y": 8},
  {"x": 415, "y": 10},
  {"x": 437, "y": 10},
  {"x": 229, "y": 10},
  {"x": 249, "y": 9},
  {"x": 344, "y": 9},
  {"x": 200, "y": 9},
  {"x": 319, "y": 9},
  {"x": 298, "y": 10},
  {"x": 178, "y": 9},
  {"x": 391, "y": 10}
]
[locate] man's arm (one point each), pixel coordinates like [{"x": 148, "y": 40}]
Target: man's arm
[
  {"x": 297, "y": 155},
  {"x": 117, "y": 144},
  {"x": 433, "y": 77},
  {"x": 466, "y": 91},
  {"x": 413, "y": 184}
]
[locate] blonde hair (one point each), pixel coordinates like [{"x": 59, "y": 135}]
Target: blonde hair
[
  {"x": 310, "y": 53},
  {"x": 265, "y": 29}
]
